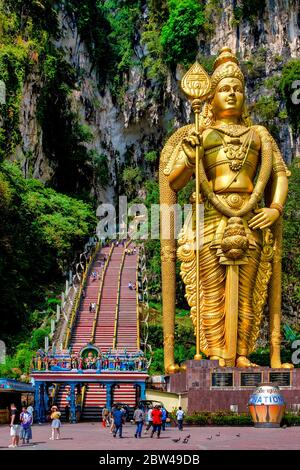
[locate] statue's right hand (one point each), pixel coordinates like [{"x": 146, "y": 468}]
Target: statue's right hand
[{"x": 189, "y": 145}]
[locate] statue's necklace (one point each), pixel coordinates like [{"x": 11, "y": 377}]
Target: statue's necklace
[
  {"x": 235, "y": 150},
  {"x": 232, "y": 130}
]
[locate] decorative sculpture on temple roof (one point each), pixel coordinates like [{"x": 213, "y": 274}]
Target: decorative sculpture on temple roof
[{"x": 242, "y": 181}]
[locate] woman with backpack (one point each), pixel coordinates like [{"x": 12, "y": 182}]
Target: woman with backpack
[{"x": 26, "y": 423}]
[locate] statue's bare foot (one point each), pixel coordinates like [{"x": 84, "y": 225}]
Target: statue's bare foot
[
  {"x": 218, "y": 358},
  {"x": 285, "y": 365},
  {"x": 173, "y": 369},
  {"x": 277, "y": 364},
  {"x": 243, "y": 361}
]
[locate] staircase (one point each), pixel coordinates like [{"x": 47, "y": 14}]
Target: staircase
[
  {"x": 127, "y": 318},
  {"x": 125, "y": 394},
  {"x": 109, "y": 290},
  {"x": 81, "y": 334},
  {"x": 94, "y": 401},
  {"x": 60, "y": 399},
  {"x": 104, "y": 331}
]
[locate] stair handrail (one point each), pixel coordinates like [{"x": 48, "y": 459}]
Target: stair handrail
[
  {"x": 55, "y": 393},
  {"x": 118, "y": 295},
  {"x": 137, "y": 303},
  {"x": 96, "y": 316},
  {"x": 83, "y": 394},
  {"x": 63, "y": 311},
  {"x": 76, "y": 303},
  {"x": 144, "y": 304}
]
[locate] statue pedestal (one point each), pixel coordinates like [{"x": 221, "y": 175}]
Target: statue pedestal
[{"x": 208, "y": 387}]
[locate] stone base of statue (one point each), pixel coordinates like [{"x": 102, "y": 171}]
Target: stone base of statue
[{"x": 205, "y": 386}]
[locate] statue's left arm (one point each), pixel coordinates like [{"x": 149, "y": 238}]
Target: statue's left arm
[
  {"x": 279, "y": 184},
  {"x": 267, "y": 216},
  {"x": 275, "y": 197}
]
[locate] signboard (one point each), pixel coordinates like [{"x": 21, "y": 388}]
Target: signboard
[
  {"x": 283, "y": 379},
  {"x": 222, "y": 379},
  {"x": 7, "y": 385},
  {"x": 250, "y": 379},
  {"x": 266, "y": 395}
]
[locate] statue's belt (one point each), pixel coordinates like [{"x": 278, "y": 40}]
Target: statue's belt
[{"x": 214, "y": 218}]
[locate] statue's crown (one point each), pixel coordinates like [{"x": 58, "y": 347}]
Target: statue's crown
[
  {"x": 225, "y": 55},
  {"x": 225, "y": 66}
]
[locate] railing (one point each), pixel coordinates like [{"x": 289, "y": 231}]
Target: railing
[
  {"x": 137, "y": 304},
  {"x": 144, "y": 304},
  {"x": 83, "y": 390},
  {"x": 76, "y": 304},
  {"x": 63, "y": 311},
  {"x": 100, "y": 293},
  {"x": 118, "y": 295},
  {"x": 55, "y": 393}
]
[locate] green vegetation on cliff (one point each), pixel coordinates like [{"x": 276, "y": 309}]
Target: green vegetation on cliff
[
  {"x": 291, "y": 246},
  {"x": 39, "y": 234},
  {"x": 179, "y": 34},
  {"x": 65, "y": 139}
]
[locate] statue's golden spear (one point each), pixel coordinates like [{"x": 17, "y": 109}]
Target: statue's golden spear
[{"x": 196, "y": 85}]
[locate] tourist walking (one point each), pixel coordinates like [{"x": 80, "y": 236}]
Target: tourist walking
[
  {"x": 156, "y": 421},
  {"x": 118, "y": 421},
  {"x": 105, "y": 417},
  {"x": 138, "y": 418},
  {"x": 26, "y": 423},
  {"x": 30, "y": 410},
  {"x": 15, "y": 427},
  {"x": 112, "y": 423},
  {"x": 179, "y": 417},
  {"x": 56, "y": 424},
  {"x": 149, "y": 419},
  {"x": 163, "y": 418}
]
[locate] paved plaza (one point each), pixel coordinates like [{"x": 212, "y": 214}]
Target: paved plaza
[{"x": 91, "y": 436}]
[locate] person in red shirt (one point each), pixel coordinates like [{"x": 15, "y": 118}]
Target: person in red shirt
[{"x": 156, "y": 421}]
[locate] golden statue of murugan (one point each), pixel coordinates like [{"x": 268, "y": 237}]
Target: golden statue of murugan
[{"x": 242, "y": 181}]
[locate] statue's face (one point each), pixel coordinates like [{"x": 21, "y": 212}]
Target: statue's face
[{"x": 228, "y": 99}]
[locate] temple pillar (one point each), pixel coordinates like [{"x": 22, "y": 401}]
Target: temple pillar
[
  {"x": 37, "y": 402},
  {"x": 73, "y": 418},
  {"x": 142, "y": 390},
  {"x": 42, "y": 403},
  {"x": 108, "y": 395},
  {"x": 46, "y": 397}
]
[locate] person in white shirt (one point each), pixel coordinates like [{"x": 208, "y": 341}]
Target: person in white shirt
[
  {"x": 30, "y": 410},
  {"x": 148, "y": 419},
  {"x": 179, "y": 417}
]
